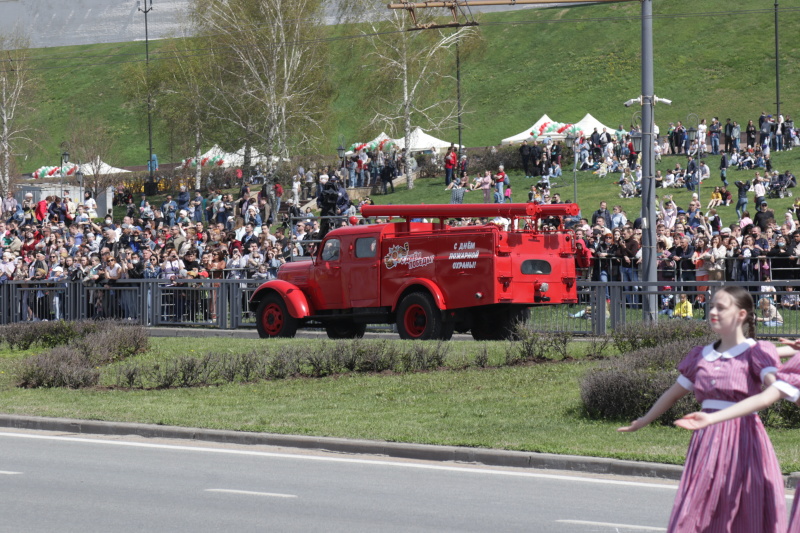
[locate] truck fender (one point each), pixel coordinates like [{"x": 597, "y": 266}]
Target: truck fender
[
  {"x": 431, "y": 287},
  {"x": 296, "y": 302}
]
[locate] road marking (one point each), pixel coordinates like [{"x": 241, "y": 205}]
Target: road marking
[
  {"x": 251, "y": 493},
  {"x": 606, "y": 524},
  {"x": 6, "y": 473},
  {"x": 350, "y": 460}
]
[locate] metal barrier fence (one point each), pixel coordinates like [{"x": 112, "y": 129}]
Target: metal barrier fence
[{"x": 223, "y": 303}]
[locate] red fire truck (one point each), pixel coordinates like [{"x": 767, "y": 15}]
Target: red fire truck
[{"x": 429, "y": 278}]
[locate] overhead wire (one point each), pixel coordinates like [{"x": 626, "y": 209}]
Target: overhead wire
[{"x": 187, "y": 53}]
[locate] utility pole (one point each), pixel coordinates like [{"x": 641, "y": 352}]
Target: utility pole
[
  {"x": 458, "y": 95},
  {"x": 777, "y": 65},
  {"x": 151, "y": 189}
]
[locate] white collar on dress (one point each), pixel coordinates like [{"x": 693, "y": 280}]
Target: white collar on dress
[{"x": 710, "y": 354}]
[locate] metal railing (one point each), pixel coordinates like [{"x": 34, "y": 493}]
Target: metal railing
[{"x": 223, "y": 303}]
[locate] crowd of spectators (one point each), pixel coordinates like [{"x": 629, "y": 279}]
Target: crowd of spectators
[{"x": 216, "y": 236}]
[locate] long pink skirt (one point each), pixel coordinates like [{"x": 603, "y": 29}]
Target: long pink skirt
[{"x": 731, "y": 482}]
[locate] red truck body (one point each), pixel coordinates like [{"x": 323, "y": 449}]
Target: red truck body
[{"x": 429, "y": 278}]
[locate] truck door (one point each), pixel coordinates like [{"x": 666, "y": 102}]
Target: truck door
[
  {"x": 329, "y": 274},
  {"x": 363, "y": 287}
]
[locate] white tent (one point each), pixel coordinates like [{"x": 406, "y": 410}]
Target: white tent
[
  {"x": 89, "y": 169},
  {"x": 589, "y": 123},
  {"x": 526, "y": 134},
  {"x": 421, "y": 141}
]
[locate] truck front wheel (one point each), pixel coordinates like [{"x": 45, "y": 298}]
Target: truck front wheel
[
  {"x": 418, "y": 318},
  {"x": 273, "y": 319}
]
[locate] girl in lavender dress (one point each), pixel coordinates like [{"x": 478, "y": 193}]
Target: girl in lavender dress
[
  {"x": 731, "y": 481},
  {"x": 786, "y": 387}
]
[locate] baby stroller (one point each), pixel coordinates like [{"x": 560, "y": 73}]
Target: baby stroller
[{"x": 779, "y": 187}]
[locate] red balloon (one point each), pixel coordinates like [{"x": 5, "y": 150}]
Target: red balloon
[{"x": 353, "y": 221}]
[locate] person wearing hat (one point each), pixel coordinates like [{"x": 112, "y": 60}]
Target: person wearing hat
[{"x": 7, "y": 267}]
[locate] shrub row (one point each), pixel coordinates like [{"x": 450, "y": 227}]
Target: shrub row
[
  {"x": 326, "y": 359},
  {"x": 76, "y": 364},
  {"x": 46, "y": 334}
]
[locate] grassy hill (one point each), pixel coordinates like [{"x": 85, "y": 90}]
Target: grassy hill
[{"x": 710, "y": 59}]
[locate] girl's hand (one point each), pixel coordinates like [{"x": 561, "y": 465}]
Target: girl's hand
[
  {"x": 636, "y": 425},
  {"x": 693, "y": 421},
  {"x": 792, "y": 343}
]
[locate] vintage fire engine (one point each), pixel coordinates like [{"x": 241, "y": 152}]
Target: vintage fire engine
[{"x": 430, "y": 278}]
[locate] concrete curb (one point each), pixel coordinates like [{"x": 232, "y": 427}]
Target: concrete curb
[{"x": 483, "y": 456}]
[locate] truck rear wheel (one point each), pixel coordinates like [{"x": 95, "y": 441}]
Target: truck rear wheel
[
  {"x": 345, "y": 330},
  {"x": 273, "y": 319},
  {"x": 418, "y": 318}
]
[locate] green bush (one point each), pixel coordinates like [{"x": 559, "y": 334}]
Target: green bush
[
  {"x": 63, "y": 366},
  {"x": 625, "y": 388}
]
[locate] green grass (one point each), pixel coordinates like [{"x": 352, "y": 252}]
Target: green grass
[
  {"x": 533, "y": 408},
  {"x": 563, "y": 61}
]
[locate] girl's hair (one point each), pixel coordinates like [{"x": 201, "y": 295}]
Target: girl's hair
[{"x": 743, "y": 300}]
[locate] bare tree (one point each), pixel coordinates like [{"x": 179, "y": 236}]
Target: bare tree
[
  {"x": 16, "y": 85},
  {"x": 93, "y": 143},
  {"x": 413, "y": 65}
]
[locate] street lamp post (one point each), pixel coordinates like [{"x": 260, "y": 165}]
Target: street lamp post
[
  {"x": 341, "y": 151},
  {"x": 64, "y": 160},
  {"x": 570, "y": 142},
  {"x": 150, "y": 165},
  {"x": 694, "y": 121}
]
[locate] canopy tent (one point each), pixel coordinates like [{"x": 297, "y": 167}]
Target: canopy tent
[
  {"x": 419, "y": 141},
  {"x": 526, "y": 134},
  {"x": 589, "y": 123},
  {"x": 100, "y": 167},
  {"x": 379, "y": 142},
  {"x": 219, "y": 157}
]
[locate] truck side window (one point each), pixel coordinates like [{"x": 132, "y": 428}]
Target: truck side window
[
  {"x": 366, "y": 247},
  {"x": 331, "y": 250},
  {"x": 536, "y": 266}
]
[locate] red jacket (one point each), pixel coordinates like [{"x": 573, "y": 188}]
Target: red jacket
[
  {"x": 41, "y": 210},
  {"x": 450, "y": 160}
]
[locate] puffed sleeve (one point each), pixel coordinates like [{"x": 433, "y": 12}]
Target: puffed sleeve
[
  {"x": 688, "y": 368},
  {"x": 764, "y": 360},
  {"x": 789, "y": 378}
]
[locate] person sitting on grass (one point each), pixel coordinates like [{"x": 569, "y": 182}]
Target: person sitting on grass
[
  {"x": 768, "y": 314},
  {"x": 683, "y": 308}
]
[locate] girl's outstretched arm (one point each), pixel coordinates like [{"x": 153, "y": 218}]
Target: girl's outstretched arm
[
  {"x": 667, "y": 400},
  {"x": 792, "y": 346},
  {"x": 699, "y": 420}
]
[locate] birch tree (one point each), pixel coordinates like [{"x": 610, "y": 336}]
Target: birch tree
[
  {"x": 414, "y": 65},
  {"x": 16, "y": 85},
  {"x": 266, "y": 70}
]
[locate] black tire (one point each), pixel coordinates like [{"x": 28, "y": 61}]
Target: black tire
[
  {"x": 418, "y": 318},
  {"x": 273, "y": 319},
  {"x": 345, "y": 330},
  {"x": 498, "y": 324}
]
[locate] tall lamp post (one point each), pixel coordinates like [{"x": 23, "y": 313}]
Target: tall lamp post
[
  {"x": 64, "y": 160},
  {"x": 341, "y": 151},
  {"x": 148, "y": 190},
  {"x": 570, "y": 142},
  {"x": 693, "y": 120}
]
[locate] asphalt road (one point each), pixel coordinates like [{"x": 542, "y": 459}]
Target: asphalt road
[{"x": 57, "y": 482}]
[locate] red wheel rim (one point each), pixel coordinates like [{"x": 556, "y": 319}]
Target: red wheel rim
[
  {"x": 415, "y": 321},
  {"x": 272, "y": 319}
]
